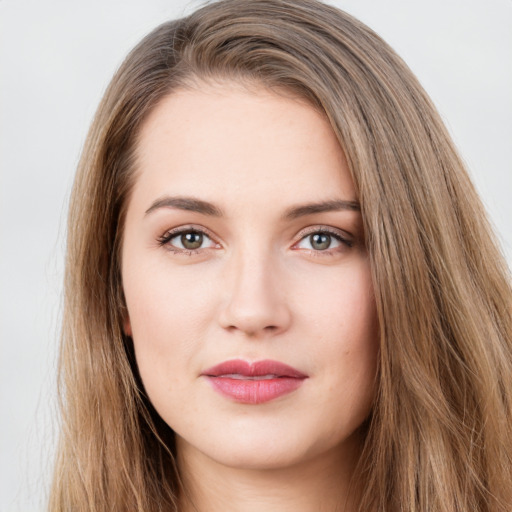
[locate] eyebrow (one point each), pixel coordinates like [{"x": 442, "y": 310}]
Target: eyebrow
[
  {"x": 206, "y": 208},
  {"x": 186, "y": 203},
  {"x": 323, "y": 206}
]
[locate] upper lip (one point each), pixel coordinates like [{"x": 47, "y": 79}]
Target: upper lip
[{"x": 255, "y": 369}]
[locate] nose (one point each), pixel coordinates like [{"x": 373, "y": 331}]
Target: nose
[{"x": 254, "y": 300}]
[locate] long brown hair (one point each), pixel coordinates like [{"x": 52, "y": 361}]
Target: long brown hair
[{"x": 439, "y": 436}]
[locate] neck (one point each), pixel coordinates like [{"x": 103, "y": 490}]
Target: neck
[{"x": 323, "y": 484}]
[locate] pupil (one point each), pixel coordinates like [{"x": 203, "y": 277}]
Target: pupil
[
  {"x": 320, "y": 241},
  {"x": 192, "y": 240}
]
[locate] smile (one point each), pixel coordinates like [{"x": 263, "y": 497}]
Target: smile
[{"x": 254, "y": 383}]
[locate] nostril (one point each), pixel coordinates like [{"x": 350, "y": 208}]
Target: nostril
[
  {"x": 254, "y": 309},
  {"x": 252, "y": 331}
]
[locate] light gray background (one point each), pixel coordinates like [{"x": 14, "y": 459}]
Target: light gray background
[{"x": 56, "y": 58}]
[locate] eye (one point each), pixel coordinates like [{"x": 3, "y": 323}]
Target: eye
[
  {"x": 186, "y": 240},
  {"x": 190, "y": 240},
  {"x": 322, "y": 240},
  {"x": 319, "y": 241}
]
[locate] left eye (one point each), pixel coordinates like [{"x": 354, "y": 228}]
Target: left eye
[{"x": 320, "y": 241}]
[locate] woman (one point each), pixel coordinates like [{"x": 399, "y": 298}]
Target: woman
[{"x": 282, "y": 291}]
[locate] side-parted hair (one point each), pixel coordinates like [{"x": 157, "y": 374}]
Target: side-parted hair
[{"x": 439, "y": 438}]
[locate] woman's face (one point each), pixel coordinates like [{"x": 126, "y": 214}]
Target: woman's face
[{"x": 246, "y": 279}]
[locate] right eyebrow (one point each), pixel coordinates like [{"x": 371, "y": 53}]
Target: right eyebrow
[{"x": 186, "y": 203}]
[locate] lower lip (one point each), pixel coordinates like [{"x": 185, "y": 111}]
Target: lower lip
[{"x": 254, "y": 391}]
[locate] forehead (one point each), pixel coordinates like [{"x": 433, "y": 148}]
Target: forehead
[{"x": 226, "y": 142}]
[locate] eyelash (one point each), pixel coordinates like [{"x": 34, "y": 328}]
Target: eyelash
[
  {"x": 165, "y": 239},
  {"x": 345, "y": 241}
]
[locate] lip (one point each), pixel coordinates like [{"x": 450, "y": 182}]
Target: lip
[{"x": 254, "y": 383}]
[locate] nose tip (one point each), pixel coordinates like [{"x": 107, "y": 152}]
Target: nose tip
[{"x": 254, "y": 305}]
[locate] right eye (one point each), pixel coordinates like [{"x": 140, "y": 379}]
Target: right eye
[{"x": 186, "y": 240}]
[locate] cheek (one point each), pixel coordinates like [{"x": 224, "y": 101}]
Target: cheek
[
  {"x": 348, "y": 343},
  {"x": 163, "y": 304},
  {"x": 168, "y": 312},
  {"x": 342, "y": 311}
]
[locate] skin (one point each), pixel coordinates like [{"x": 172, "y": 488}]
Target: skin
[{"x": 258, "y": 287}]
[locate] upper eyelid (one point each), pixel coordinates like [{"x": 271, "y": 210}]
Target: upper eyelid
[
  {"x": 171, "y": 233},
  {"x": 344, "y": 235}
]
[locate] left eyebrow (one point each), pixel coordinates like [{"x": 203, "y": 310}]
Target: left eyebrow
[{"x": 325, "y": 206}]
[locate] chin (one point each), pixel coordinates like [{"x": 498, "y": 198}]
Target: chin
[
  {"x": 259, "y": 448},
  {"x": 256, "y": 456}
]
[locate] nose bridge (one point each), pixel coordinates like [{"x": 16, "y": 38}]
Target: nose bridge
[{"x": 254, "y": 300}]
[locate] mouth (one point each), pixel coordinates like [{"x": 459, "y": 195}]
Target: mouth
[{"x": 254, "y": 383}]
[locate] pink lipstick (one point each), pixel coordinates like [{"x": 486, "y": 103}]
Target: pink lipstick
[{"x": 254, "y": 383}]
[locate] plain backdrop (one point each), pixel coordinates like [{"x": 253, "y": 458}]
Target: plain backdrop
[{"x": 56, "y": 58}]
